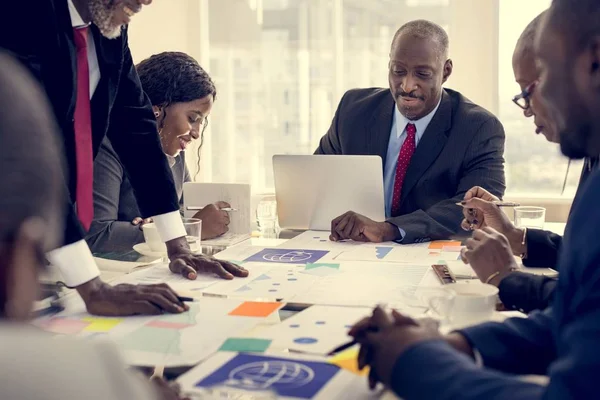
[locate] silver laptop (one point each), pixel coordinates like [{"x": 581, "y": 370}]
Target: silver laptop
[{"x": 313, "y": 190}]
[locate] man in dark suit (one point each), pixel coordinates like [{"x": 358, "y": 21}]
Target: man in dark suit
[
  {"x": 562, "y": 342},
  {"x": 538, "y": 248},
  {"x": 435, "y": 144},
  {"x": 77, "y": 50}
]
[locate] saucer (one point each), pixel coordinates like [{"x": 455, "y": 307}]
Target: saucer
[{"x": 144, "y": 250}]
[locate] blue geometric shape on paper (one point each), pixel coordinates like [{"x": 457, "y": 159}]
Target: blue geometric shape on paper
[
  {"x": 244, "y": 288},
  {"x": 294, "y": 326},
  {"x": 288, "y": 378},
  {"x": 305, "y": 340},
  {"x": 287, "y": 256},
  {"x": 263, "y": 277},
  {"x": 381, "y": 252}
]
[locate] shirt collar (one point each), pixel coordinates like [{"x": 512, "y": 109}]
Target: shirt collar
[
  {"x": 172, "y": 160},
  {"x": 76, "y": 20},
  {"x": 420, "y": 124}
]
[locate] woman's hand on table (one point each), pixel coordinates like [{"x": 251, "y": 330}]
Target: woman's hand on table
[{"x": 215, "y": 221}]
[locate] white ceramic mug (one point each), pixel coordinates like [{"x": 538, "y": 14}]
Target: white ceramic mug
[
  {"x": 152, "y": 238},
  {"x": 472, "y": 303}
]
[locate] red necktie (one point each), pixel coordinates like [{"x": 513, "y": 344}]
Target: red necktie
[
  {"x": 83, "y": 133},
  {"x": 406, "y": 153}
]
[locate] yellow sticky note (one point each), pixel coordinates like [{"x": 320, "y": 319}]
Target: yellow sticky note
[
  {"x": 101, "y": 324},
  {"x": 348, "y": 360}
]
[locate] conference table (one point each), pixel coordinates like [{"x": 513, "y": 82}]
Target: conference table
[{"x": 109, "y": 264}]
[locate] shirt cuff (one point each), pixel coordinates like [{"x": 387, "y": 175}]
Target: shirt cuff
[
  {"x": 402, "y": 235},
  {"x": 170, "y": 226},
  {"x": 75, "y": 262}
]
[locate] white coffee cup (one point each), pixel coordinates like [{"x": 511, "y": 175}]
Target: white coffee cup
[
  {"x": 472, "y": 303},
  {"x": 153, "y": 239}
]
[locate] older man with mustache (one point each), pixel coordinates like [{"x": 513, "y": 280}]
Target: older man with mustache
[
  {"x": 78, "y": 51},
  {"x": 435, "y": 143}
]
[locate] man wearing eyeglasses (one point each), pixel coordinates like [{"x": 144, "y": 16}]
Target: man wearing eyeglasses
[{"x": 538, "y": 248}]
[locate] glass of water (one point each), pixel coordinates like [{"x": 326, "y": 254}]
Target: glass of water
[
  {"x": 266, "y": 217},
  {"x": 193, "y": 230},
  {"x": 530, "y": 217}
]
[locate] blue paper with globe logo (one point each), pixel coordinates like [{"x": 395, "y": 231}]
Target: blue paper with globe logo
[
  {"x": 285, "y": 256},
  {"x": 287, "y": 377}
]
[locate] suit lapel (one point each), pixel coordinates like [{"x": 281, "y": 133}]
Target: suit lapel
[
  {"x": 431, "y": 144},
  {"x": 379, "y": 128}
]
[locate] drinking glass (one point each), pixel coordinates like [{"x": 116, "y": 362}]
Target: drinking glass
[
  {"x": 266, "y": 217},
  {"x": 530, "y": 217},
  {"x": 193, "y": 232}
]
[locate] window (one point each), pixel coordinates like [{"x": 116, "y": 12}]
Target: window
[
  {"x": 533, "y": 165},
  {"x": 282, "y": 66}
]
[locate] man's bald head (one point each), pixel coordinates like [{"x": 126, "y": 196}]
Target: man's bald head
[
  {"x": 423, "y": 29},
  {"x": 526, "y": 42}
]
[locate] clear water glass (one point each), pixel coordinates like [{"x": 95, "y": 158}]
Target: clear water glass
[
  {"x": 530, "y": 217},
  {"x": 193, "y": 230},
  {"x": 266, "y": 217}
]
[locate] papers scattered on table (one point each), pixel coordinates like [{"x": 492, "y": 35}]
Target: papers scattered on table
[
  {"x": 426, "y": 253},
  {"x": 365, "y": 285},
  {"x": 319, "y": 240},
  {"x": 228, "y": 375},
  {"x": 274, "y": 282},
  {"x": 161, "y": 273},
  {"x": 316, "y": 330},
  {"x": 169, "y": 339}
]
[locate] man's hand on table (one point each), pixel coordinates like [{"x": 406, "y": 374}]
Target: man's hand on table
[
  {"x": 122, "y": 300},
  {"x": 489, "y": 254},
  {"x": 362, "y": 229},
  {"x": 480, "y": 212},
  {"x": 189, "y": 265},
  {"x": 385, "y": 337}
]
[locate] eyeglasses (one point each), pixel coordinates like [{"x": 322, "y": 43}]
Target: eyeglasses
[{"x": 523, "y": 99}]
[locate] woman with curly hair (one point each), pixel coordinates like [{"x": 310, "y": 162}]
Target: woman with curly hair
[{"x": 182, "y": 95}]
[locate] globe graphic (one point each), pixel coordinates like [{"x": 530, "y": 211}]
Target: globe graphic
[
  {"x": 291, "y": 256},
  {"x": 264, "y": 374}
]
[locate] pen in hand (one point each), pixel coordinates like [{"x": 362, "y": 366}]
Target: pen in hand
[{"x": 497, "y": 203}]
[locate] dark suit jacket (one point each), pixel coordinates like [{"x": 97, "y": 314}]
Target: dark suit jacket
[
  {"x": 462, "y": 147},
  {"x": 527, "y": 292},
  {"x": 561, "y": 342},
  {"x": 115, "y": 205},
  {"x": 43, "y": 41}
]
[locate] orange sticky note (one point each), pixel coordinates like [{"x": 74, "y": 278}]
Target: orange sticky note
[
  {"x": 440, "y": 244},
  {"x": 255, "y": 309}
]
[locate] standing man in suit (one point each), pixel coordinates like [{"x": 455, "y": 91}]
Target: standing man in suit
[
  {"x": 31, "y": 219},
  {"x": 435, "y": 144},
  {"x": 538, "y": 248},
  {"x": 562, "y": 341},
  {"x": 78, "y": 51}
]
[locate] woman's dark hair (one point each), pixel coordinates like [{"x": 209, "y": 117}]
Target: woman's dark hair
[{"x": 175, "y": 77}]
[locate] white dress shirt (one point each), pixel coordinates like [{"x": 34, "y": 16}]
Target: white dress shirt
[{"x": 75, "y": 260}]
